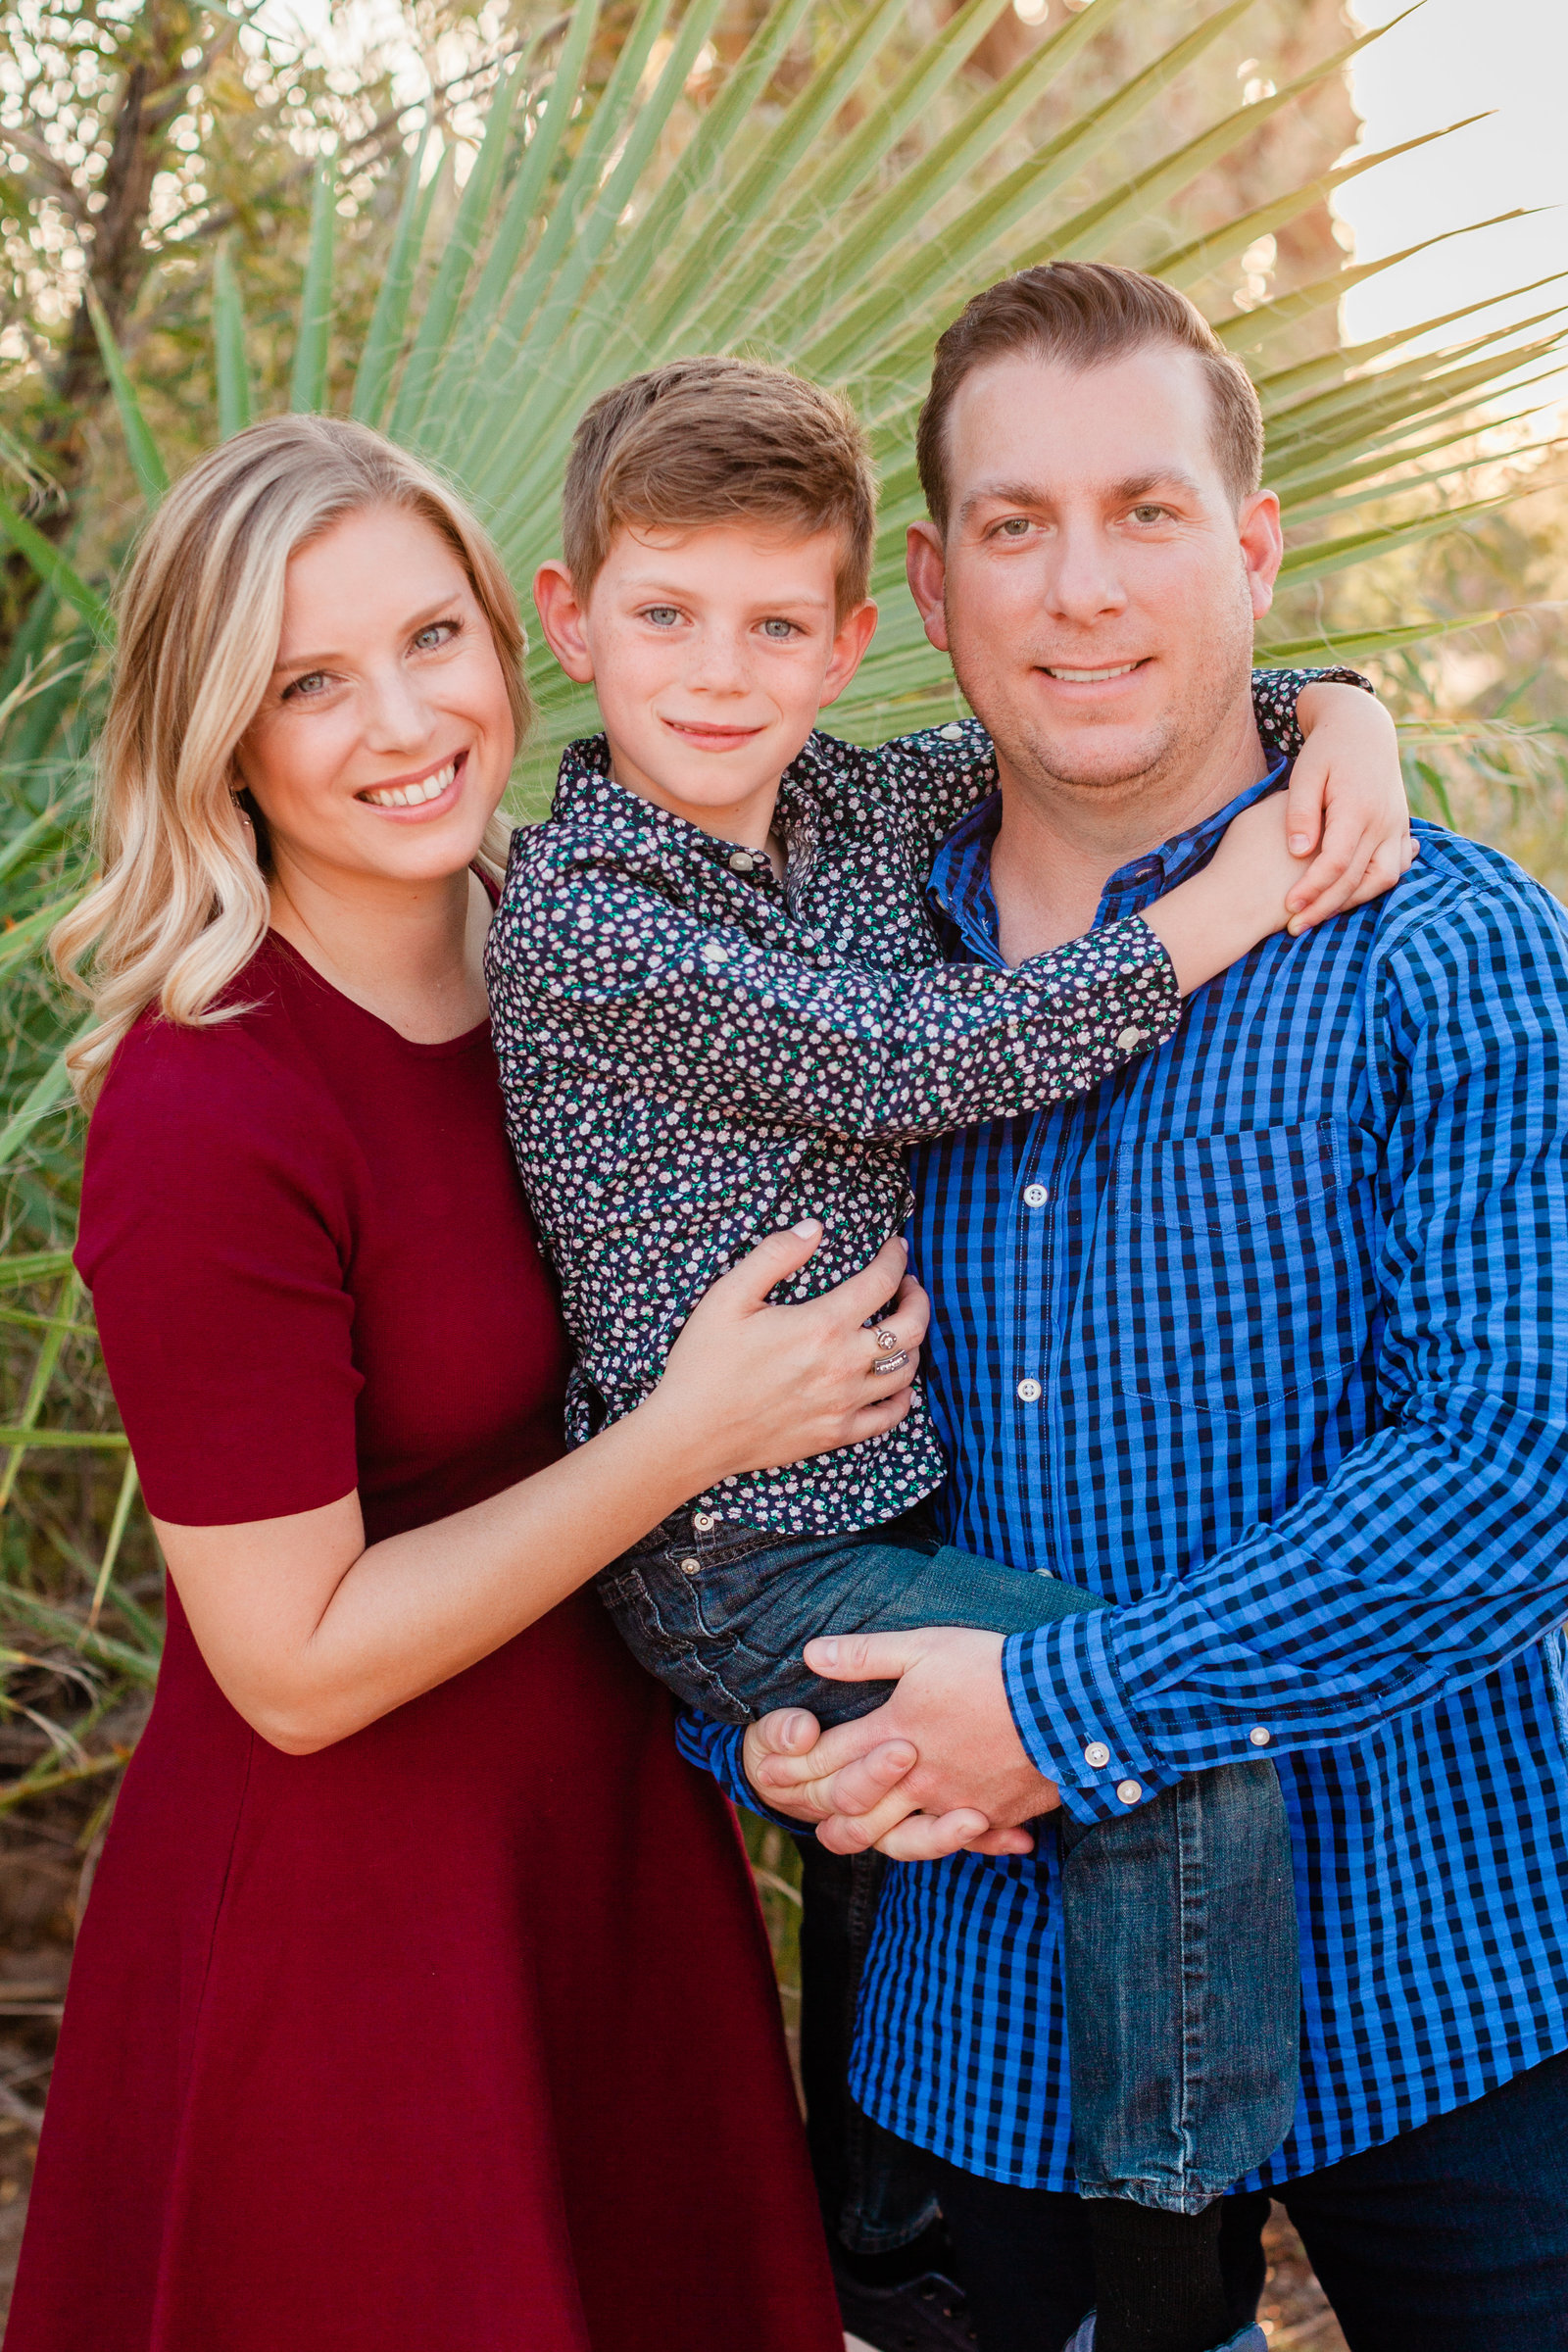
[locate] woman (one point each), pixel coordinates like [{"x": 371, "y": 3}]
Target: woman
[{"x": 384, "y": 2026}]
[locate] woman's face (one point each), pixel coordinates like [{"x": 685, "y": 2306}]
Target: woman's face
[{"x": 385, "y": 739}]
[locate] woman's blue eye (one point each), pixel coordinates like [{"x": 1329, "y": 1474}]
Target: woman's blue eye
[
  {"x": 435, "y": 635},
  {"x": 311, "y": 679}
]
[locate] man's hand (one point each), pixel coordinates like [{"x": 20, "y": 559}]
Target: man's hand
[{"x": 939, "y": 1767}]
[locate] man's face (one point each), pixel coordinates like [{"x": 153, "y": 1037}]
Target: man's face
[{"x": 1097, "y": 588}]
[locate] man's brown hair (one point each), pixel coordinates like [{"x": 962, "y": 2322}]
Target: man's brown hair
[
  {"x": 1084, "y": 314},
  {"x": 706, "y": 441}
]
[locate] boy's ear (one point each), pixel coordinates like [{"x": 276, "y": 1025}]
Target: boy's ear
[
  {"x": 854, "y": 634},
  {"x": 561, "y": 618}
]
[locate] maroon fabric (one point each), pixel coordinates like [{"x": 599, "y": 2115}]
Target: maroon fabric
[{"x": 460, "y": 2032}]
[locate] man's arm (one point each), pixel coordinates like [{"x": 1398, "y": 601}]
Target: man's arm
[{"x": 1436, "y": 1552}]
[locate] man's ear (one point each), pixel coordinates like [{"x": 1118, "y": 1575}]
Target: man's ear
[
  {"x": 563, "y": 618},
  {"x": 925, "y": 564},
  {"x": 850, "y": 641},
  {"x": 1263, "y": 540}
]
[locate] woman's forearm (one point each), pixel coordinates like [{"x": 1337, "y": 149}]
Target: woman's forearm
[{"x": 407, "y": 1612}]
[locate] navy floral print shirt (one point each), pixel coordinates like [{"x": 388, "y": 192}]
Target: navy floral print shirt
[{"x": 694, "y": 1053}]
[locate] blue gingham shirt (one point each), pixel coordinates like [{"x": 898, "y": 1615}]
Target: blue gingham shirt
[{"x": 1294, "y": 1291}]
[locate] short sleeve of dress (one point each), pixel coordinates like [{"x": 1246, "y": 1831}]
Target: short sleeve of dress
[{"x": 215, "y": 1237}]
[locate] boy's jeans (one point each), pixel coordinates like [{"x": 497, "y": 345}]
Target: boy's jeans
[{"x": 1178, "y": 1919}]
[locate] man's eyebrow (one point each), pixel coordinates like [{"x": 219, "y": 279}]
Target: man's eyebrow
[
  {"x": 1122, "y": 493},
  {"x": 438, "y": 610}
]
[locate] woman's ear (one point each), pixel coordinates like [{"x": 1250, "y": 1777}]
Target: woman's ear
[{"x": 564, "y": 620}]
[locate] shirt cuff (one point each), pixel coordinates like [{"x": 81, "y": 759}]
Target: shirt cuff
[
  {"x": 1074, "y": 1720},
  {"x": 717, "y": 1749}
]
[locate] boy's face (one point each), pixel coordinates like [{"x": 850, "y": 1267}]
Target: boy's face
[{"x": 712, "y": 654}]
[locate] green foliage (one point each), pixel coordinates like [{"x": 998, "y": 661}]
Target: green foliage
[{"x": 826, "y": 191}]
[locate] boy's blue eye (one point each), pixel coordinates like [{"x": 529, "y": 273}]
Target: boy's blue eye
[
  {"x": 662, "y": 616},
  {"x": 778, "y": 630}
]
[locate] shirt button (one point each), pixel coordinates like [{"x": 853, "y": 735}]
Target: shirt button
[
  {"x": 1126, "y": 1039},
  {"x": 1129, "y": 1792},
  {"x": 1029, "y": 1391},
  {"x": 741, "y": 861},
  {"x": 951, "y": 734},
  {"x": 703, "y": 1521},
  {"x": 690, "y": 1567},
  {"x": 1258, "y": 1736},
  {"x": 1035, "y": 1196},
  {"x": 1097, "y": 1753}
]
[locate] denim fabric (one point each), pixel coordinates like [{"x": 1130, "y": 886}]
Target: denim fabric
[{"x": 1179, "y": 1918}]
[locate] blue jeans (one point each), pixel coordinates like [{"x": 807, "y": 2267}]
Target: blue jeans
[
  {"x": 1178, "y": 1919},
  {"x": 1451, "y": 2238}
]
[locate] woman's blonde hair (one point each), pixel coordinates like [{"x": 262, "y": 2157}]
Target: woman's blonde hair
[{"x": 182, "y": 904}]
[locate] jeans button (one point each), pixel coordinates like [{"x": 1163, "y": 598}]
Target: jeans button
[
  {"x": 704, "y": 1522},
  {"x": 690, "y": 1567}
]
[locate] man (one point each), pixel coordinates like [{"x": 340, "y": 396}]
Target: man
[{"x": 1264, "y": 1342}]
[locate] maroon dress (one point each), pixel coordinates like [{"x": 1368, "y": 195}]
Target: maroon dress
[{"x": 460, "y": 2034}]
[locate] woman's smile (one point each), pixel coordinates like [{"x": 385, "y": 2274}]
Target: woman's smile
[{"x": 429, "y": 793}]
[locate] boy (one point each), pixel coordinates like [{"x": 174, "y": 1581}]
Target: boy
[{"x": 719, "y": 1010}]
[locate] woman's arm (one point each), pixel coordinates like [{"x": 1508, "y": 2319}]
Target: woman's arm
[{"x": 312, "y": 1634}]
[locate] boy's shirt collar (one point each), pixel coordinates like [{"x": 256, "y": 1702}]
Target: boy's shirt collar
[
  {"x": 962, "y": 901},
  {"x": 586, "y": 789}
]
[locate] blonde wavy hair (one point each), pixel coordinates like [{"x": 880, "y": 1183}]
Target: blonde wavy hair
[{"x": 183, "y": 903}]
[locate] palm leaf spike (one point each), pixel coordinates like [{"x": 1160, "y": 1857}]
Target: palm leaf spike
[
  {"x": 231, "y": 366},
  {"x": 456, "y": 260},
  {"x": 1379, "y": 491},
  {"x": 1260, "y": 325},
  {"x": 1303, "y": 564},
  {"x": 941, "y": 270},
  {"x": 904, "y": 215},
  {"x": 44, "y": 1373},
  {"x": 388, "y": 320},
  {"x": 1346, "y": 461},
  {"x": 312, "y": 347},
  {"x": 146, "y": 463},
  {"x": 130, "y": 1487},
  {"x": 601, "y": 217},
  {"x": 1292, "y": 419},
  {"x": 1285, "y": 390},
  {"x": 1188, "y": 265},
  {"x": 886, "y": 224},
  {"x": 1374, "y": 404},
  {"x": 51, "y": 566},
  {"x": 463, "y": 362}
]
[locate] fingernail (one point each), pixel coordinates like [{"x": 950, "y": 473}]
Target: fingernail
[
  {"x": 1293, "y": 927},
  {"x": 828, "y": 1650},
  {"x": 1298, "y": 844},
  {"x": 807, "y": 1225}
]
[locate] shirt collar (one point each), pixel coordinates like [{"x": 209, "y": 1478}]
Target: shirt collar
[
  {"x": 960, "y": 889},
  {"x": 586, "y": 789}
]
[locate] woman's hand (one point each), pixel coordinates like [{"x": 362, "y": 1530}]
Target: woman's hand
[{"x": 753, "y": 1386}]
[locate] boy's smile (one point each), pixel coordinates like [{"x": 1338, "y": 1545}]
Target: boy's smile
[{"x": 713, "y": 654}]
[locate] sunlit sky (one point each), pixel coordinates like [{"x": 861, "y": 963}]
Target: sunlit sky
[{"x": 1450, "y": 59}]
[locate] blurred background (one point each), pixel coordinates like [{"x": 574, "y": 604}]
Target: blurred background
[{"x": 461, "y": 222}]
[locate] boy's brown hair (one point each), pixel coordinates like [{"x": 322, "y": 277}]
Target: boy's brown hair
[
  {"x": 1084, "y": 314},
  {"x": 708, "y": 440}
]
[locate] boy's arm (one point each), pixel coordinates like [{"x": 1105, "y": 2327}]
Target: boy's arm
[
  {"x": 590, "y": 964},
  {"x": 936, "y": 777}
]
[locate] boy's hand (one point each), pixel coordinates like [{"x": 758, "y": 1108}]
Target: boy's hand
[{"x": 1347, "y": 801}]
